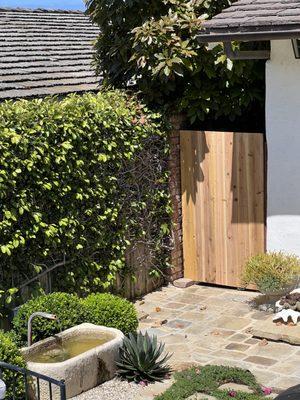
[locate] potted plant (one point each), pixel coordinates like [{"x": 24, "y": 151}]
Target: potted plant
[{"x": 274, "y": 274}]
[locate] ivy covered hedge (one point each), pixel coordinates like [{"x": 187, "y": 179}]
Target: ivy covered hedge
[{"x": 81, "y": 180}]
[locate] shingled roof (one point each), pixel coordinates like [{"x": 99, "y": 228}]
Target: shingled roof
[
  {"x": 45, "y": 52},
  {"x": 264, "y": 19}
]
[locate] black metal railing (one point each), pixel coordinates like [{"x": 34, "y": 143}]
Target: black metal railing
[{"x": 34, "y": 384}]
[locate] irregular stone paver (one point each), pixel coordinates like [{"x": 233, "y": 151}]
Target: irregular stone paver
[
  {"x": 233, "y": 323},
  {"x": 239, "y": 337},
  {"x": 260, "y": 360},
  {"x": 285, "y": 382},
  {"x": 237, "y": 347},
  {"x": 236, "y": 387},
  {"x": 289, "y": 367},
  {"x": 279, "y": 351},
  {"x": 178, "y": 324}
]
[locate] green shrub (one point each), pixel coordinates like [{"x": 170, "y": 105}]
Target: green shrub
[
  {"x": 207, "y": 380},
  {"x": 9, "y": 353},
  {"x": 112, "y": 311},
  {"x": 81, "y": 180},
  {"x": 272, "y": 272},
  {"x": 68, "y": 308},
  {"x": 100, "y": 309},
  {"x": 154, "y": 44}
]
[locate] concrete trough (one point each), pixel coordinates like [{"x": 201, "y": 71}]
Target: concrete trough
[{"x": 81, "y": 372}]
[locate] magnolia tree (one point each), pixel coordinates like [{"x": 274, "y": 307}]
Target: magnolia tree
[{"x": 152, "y": 45}]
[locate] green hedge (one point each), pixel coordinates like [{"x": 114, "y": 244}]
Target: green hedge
[
  {"x": 67, "y": 307},
  {"x": 115, "y": 312},
  {"x": 81, "y": 179},
  {"x": 10, "y": 353},
  {"x": 100, "y": 309}
]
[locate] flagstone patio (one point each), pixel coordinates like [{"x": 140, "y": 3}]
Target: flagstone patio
[
  {"x": 207, "y": 325},
  {"x": 210, "y": 325}
]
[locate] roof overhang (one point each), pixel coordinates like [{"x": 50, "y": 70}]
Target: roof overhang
[{"x": 213, "y": 36}]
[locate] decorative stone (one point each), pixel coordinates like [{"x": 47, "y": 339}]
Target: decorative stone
[
  {"x": 289, "y": 302},
  {"x": 201, "y": 396},
  {"x": 286, "y": 314},
  {"x": 183, "y": 283},
  {"x": 235, "y": 387},
  {"x": 283, "y": 333}
]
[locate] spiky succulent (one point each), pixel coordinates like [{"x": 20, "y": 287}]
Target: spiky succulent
[{"x": 141, "y": 359}]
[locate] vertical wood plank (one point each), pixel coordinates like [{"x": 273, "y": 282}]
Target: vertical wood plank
[{"x": 223, "y": 203}]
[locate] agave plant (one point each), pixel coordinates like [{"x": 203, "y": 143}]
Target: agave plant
[{"x": 141, "y": 359}]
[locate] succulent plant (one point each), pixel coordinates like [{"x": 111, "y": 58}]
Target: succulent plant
[{"x": 141, "y": 359}]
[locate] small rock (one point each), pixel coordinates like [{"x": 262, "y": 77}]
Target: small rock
[
  {"x": 263, "y": 307},
  {"x": 263, "y": 342},
  {"x": 142, "y": 315},
  {"x": 159, "y": 323},
  {"x": 183, "y": 283},
  {"x": 231, "y": 386},
  {"x": 157, "y": 309}
]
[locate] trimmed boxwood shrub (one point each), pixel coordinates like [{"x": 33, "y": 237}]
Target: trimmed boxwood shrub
[
  {"x": 100, "y": 309},
  {"x": 68, "y": 308},
  {"x": 112, "y": 311},
  {"x": 10, "y": 353}
]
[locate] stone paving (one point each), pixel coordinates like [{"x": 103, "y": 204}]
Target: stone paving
[{"x": 208, "y": 325}]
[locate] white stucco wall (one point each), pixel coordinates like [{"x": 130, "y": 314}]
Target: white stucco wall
[{"x": 283, "y": 138}]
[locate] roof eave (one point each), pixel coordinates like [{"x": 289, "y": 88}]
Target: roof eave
[{"x": 214, "y": 36}]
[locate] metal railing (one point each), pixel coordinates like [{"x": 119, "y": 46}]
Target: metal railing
[{"x": 34, "y": 384}]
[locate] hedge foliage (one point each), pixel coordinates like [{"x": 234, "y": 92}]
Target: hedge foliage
[
  {"x": 67, "y": 307},
  {"x": 100, "y": 309},
  {"x": 153, "y": 44},
  {"x": 10, "y": 354},
  {"x": 112, "y": 311},
  {"x": 81, "y": 180}
]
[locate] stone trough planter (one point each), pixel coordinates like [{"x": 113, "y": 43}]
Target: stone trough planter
[{"x": 66, "y": 357}]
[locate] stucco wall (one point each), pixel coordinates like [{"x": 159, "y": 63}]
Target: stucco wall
[{"x": 283, "y": 138}]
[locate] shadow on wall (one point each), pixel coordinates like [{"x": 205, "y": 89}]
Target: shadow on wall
[
  {"x": 224, "y": 173},
  {"x": 193, "y": 149}
]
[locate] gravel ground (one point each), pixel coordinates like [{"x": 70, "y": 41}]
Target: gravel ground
[{"x": 112, "y": 390}]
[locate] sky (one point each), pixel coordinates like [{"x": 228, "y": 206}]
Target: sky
[{"x": 58, "y": 4}]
